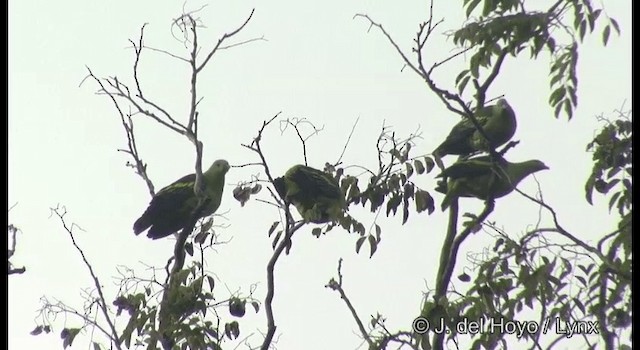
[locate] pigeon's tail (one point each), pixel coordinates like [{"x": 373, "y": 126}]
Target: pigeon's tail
[{"x": 143, "y": 223}]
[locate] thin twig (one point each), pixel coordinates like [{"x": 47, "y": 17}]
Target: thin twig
[
  {"x": 221, "y": 40},
  {"x": 61, "y": 212},
  {"x": 346, "y": 144},
  {"x": 262, "y": 38},
  {"x": 127, "y": 124}
]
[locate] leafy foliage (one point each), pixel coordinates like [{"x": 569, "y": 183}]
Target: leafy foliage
[
  {"x": 612, "y": 169},
  {"x": 503, "y": 27}
]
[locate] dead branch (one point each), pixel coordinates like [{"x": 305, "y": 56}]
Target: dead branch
[{"x": 127, "y": 123}]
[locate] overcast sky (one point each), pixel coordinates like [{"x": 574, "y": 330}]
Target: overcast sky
[{"x": 318, "y": 63}]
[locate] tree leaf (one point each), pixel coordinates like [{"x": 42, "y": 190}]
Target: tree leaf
[
  {"x": 605, "y": 35},
  {"x": 71, "y": 335},
  {"x": 615, "y": 25},
  {"x": 557, "y": 95},
  {"x": 256, "y": 188},
  {"x": 405, "y": 210},
  {"x": 273, "y": 227},
  {"x": 472, "y": 5},
  {"x": 464, "y": 277},
  {"x": 409, "y": 169},
  {"x": 463, "y": 84},
  {"x": 392, "y": 204},
  {"x": 429, "y": 163},
  {"x": 424, "y": 201},
  {"x": 373, "y": 244},
  {"x": 211, "y": 282},
  {"x": 276, "y": 239},
  {"x": 359, "y": 243},
  {"x": 36, "y": 330},
  {"x": 232, "y": 330},
  {"x": 419, "y": 166},
  {"x": 188, "y": 247}
]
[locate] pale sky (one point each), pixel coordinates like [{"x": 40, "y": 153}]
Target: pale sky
[{"x": 318, "y": 63}]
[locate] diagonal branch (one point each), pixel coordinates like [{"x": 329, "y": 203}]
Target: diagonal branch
[
  {"x": 222, "y": 39},
  {"x": 346, "y": 144},
  {"x": 337, "y": 286},
  {"x": 102, "y": 303}
]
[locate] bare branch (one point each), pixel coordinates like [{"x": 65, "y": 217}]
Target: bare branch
[
  {"x": 221, "y": 40},
  {"x": 379, "y": 26},
  {"x": 337, "y": 286},
  {"x": 346, "y": 144},
  {"x": 127, "y": 123},
  {"x": 295, "y": 123},
  {"x": 246, "y": 165},
  {"x": 138, "y": 52},
  {"x": 255, "y": 146},
  {"x": 262, "y": 38},
  {"x": 113, "y": 334},
  {"x": 166, "y": 53}
]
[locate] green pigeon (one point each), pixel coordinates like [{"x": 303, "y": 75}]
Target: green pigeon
[
  {"x": 481, "y": 178},
  {"x": 315, "y": 194},
  {"x": 172, "y": 207},
  {"x": 498, "y": 122}
]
